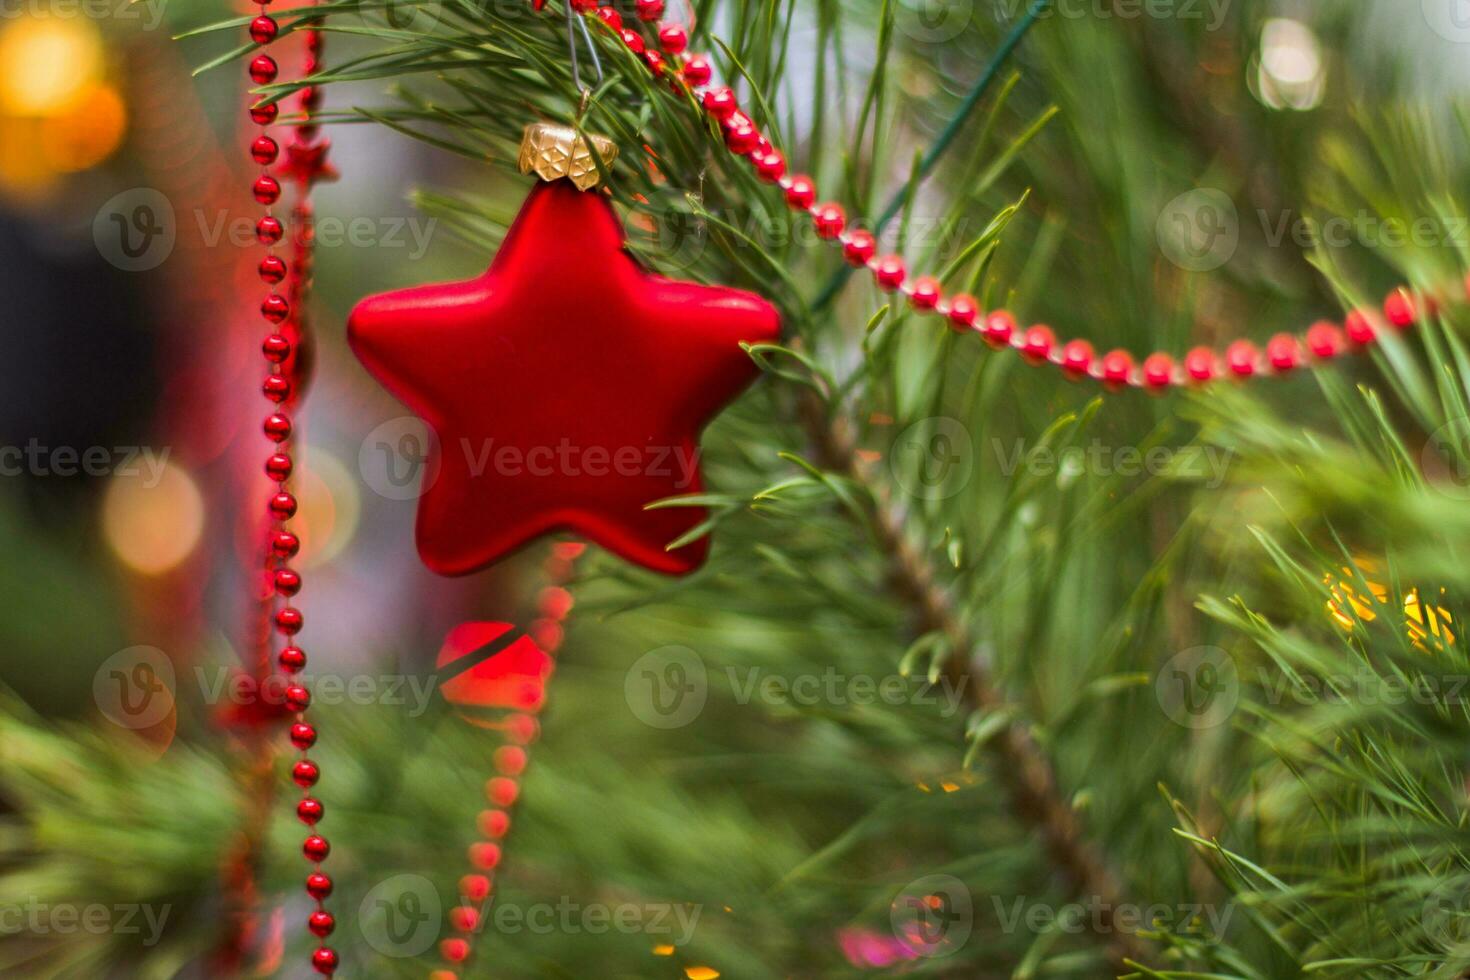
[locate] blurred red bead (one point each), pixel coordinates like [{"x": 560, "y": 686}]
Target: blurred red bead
[
  {"x": 649, "y": 9},
  {"x": 1359, "y": 327},
  {"x": 858, "y": 247},
  {"x": 464, "y": 918},
  {"x": 282, "y": 506},
  {"x": 284, "y": 544},
  {"x": 610, "y": 17},
  {"x": 277, "y": 427},
  {"x": 305, "y": 774},
  {"x": 310, "y": 810},
  {"x": 276, "y": 349},
  {"x": 321, "y": 923},
  {"x": 1400, "y": 309},
  {"x": 889, "y": 272},
  {"x": 268, "y": 230},
  {"x": 303, "y": 736},
  {"x": 510, "y": 760},
  {"x": 741, "y": 138},
  {"x": 1199, "y": 364},
  {"x": 1158, "y": 370},
  {"x": 263, "y": 30},
  {"x": 298, "y": 698},
  {"x": 720, "y": 102},
  {"x": 1241, "y": 358},
  {"x": 673, "y": 38},
  {"x": 1000, "y": 326},
  {"x": 286, "y": 581},
  {"x": 632, "y": 40},
  {"x": 502, "y": 791},
  {"x": 475, "y": 888},
  {"x": 485, "y": 855},
  {"x": 265, "y": 190},
  {"x": 454, "y": 950},
  {"x": 1325, "y": 340},
  {"x": 584, "y": 6},
  {"x": 654, "y": 61},
  {"x": 963, "y": 311},
  {"x": 272, "y": 269},
  {"x": 1077, "y": 357},
  {"x": 289, "y": 620},
  {"x": 262, "y": 69},
  {"x": 1117, "y": 366},
  {"x": 274, "y": 308},
  {"x": 829, "y": 219},
  {"x": 318, "y": 885},
  {"x": 276, "y": 387},
  {"x": 925, "y": 293},
  {"x": 324, "y": 960},
  {"x": 1038, "y": 342},
  {"x": 769, "y": 166},
  {"x": 1283, "y": 352},
  {"x": 278, "y": 466},
  {"x": 801, "y": 192},
  {"x": 264, "y": 115},
  {"x": 697, "y": 71},
  {"x": 264, "y": 150},
  {"x": 493, "y": 823},
  {"x": 291, "y": 659},
  {"x": 316, "y": 848},
  {"x": 522, "y": 728}
]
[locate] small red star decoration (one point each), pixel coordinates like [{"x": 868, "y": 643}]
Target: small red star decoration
[
  {"x": 566, "y": 386},
  {"x": 307, "y": 163}
]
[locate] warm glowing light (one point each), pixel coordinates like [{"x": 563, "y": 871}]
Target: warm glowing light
[
  {"x": 153, "y": 519},
  {"x": 329, "y": 507},
  {"x": 86, "y": 133},
  {"x": 46, "y": 62},
  {"x": 1348, "y": 607},
  {"x": 1290, "y": 73},
  {"x": 701, "y": 972},
  {"x": 666, "y": 949}
]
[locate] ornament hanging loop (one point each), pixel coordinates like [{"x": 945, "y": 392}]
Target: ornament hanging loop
[{"x": 574, "y": 21}]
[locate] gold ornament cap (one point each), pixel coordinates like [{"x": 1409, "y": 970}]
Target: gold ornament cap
[{"x": 555, "y": 151}]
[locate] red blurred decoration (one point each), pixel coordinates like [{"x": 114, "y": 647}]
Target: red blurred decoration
[
  {"x": 494, "y": 666},
  {"x": 567, "y": 389}
]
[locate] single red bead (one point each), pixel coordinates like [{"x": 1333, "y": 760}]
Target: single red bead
[
  {"x": 829, "y": 219},
  {"x": 310, "y": 810},
  {"x": 274, "y": 308},
  {"x": 769, "y": 166},
  {"x": 272, "y": 269},
  {"x": 1241, "y": 357},
  {"x": 1038, "y": 342},
  {"x": 475, "y": 888},
  {"x": 305, "y": 774},
  {"x": 1117, "y": 366},
  {"x": 889, "y": 272},
  {"x": 673, "y": 38},
  {"x": 485, "y": 855},
  {"x": 1199, "y": 364},
  {"x": 262, "y": 69},
  {"x": 266, "y": 190},
  {"x": 654, "y": 61},
  {"x": 697, "y": 71},
  {"x": 1000, "y": 326},
  {"x": 318, "y": 885},
  {"x": 649, "y": 9},
  {"x": 284, "y": 544},
  {"x": 316, "y": 847},
  {"x": 263, "y": 30},
  {"x": 1400, "y": 309},
  {"x": 289, "y": 620},
  {"x": 741, "y": 138},
  {"x": 278, "y": 466},
  {"x": 292, "y": 659},
  {"x": 510, "y": 760},
  {"x": 324, "y": 960},
  {"x": 584, "y": 6},
  {"x": 303, "y": 736},
  {"x": 1077, "y": 357},
  {"x": 925, "y": 293},
  {"x": 283, "y": 506},
  {"x": 298, "y": 698},
  {"x": 800, "y": 192},
  {"x": 264, "y": 115},
  {"x": 276, "y": 387},
  {"x": 268, "y": 230},
  {"x": 963, "y": 311},
  {"x": 502, "y": 791},
  {"x": 264, "y": 150},
  {"x": 720, "y": 102},
  {"x": 1359, "y": 327},
  {"x": 632, "y": 40},
  {"x": 859, "y": 246},
  {"x": 276, "y": 349},
  {"x": 1283, "y": 352},
  {"x": 287, "y": 581},
  {"x": 610, "y": 17},
  {"x": 493, "y": 823},
  {"x": 1158, "y": 370},
  {"x": 455, "y": 950},
  {"x": 321, "y": 923},
  {"x": 277, "y": 427},
  {"x": 464, "y": 918},
  {"x": 1324, "y": 339}
]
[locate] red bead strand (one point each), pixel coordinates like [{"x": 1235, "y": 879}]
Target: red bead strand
[{"x": 1284, "y": 353}]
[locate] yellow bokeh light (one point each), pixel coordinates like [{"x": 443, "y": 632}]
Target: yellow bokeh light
[
  {"x": 701, "y": 972},
  {"x": 329, "y": 507},
  {"x": 86, "y": 132},
  {"x": 153, "y": 520},
  {"x": 1348, "y": 607},
  {"x": 46, "y": 63}
]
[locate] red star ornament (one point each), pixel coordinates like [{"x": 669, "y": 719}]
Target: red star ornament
[{"x": 567, "y": 388}]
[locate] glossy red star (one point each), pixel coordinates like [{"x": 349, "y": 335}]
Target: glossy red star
[{"x": 567, "y": 388}]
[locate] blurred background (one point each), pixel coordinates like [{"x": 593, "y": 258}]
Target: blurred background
[{"x": 129, "y": 426}]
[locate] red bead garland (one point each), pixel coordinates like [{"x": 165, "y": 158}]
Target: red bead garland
[
  {"x": 1282, "y": 355},
  {"x": 284, "y": 314}
]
